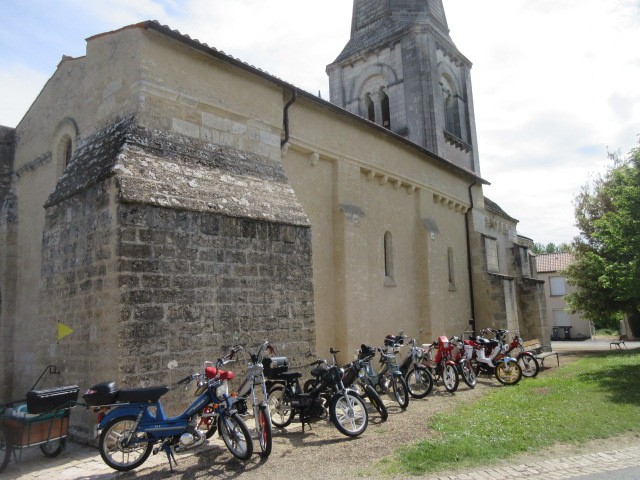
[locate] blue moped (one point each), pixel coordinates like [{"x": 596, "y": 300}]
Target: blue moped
[{"x": 132, "y": 423}]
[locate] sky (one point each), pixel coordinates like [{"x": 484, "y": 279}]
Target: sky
[{"x": 556, "y": 83}]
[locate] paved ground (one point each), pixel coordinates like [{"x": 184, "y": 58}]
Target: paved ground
[{"x": 609, "y": 460}]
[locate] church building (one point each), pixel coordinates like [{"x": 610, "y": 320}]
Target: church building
[{"x": 162, "y": 201}]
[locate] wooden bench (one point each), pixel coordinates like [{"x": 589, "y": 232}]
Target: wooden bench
[
  {"x": 619, "y": 342},
  {"x": 540, "y": 351}
]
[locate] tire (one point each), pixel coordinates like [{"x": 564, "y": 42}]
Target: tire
[
  {"x": 265, "y": 434},
  {"x": 376, "y": 401},
  {"x": 280, "y": 407},
  {"x": 529, "y": 366},
  {"x": 419, "y": 382},
  {"x": 236, "y": 436},
  {"x": 400, "y": 390},
  {"x": 349, "y": 414},
  {"x": 508, "y": 374},
  {"x": 110, "y": 448},
  {"x": 5, "y": 449},
  {"x": 450, "y": 378},
  {"x": 468, "y": 374},
  {"x": 53, "y": 448}
]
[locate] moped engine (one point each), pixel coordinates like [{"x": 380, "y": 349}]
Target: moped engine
[{"x": 191, "y": 439}]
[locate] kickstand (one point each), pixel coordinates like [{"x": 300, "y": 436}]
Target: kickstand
[{"x": 170, "y": 456}]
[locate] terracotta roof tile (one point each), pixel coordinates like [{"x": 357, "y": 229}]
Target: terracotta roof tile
[{"x": 553, "y": 262}]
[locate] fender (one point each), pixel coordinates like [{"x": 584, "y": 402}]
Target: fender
[
  {"x": 126, "y": 410},
  {"x": 353, "y": 391},
  {"x": 508, "y": 359},
  {"x": 450, "y": 362},
  {"x": 526, "y": 354}
]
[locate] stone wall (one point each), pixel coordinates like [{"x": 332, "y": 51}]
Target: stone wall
[
  {"x": 193, "y": 284},
  {"x": 8, "y": 220}
]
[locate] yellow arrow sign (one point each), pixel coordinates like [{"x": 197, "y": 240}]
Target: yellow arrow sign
[{"x": 63, "y": 331}]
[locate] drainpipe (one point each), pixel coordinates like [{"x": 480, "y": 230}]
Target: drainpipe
[
  {"x": 284, "y": 141},
  {"x": 469, "y": 265}
]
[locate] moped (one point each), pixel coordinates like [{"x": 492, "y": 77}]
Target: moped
[
  {"x": 346, "y": 408},
  {"x": 442, "y": 364},
  {"x": 418, "y": 377},
  {"x": 490, "y": 357},
  {"x": 132, "y": 422},
  {"x": 527, "y": 360},
  {"x": 253, "y": 382},
  {"x": 389, "y": 379},
  {"x": 463, "y": 358}
]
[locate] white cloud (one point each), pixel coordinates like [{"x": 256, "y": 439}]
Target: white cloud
[{"x": 555, "y": 81}]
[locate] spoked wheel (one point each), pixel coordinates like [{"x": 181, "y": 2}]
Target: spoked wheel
[
  {"x": 508, "y": 373},
  {"x": 419, "y": 382},
  {"x": 5, "y": 448},
  {"x": 263, "y": 426},
  {"x": 529, "y": 366},
  {"x": 349, "y": 414},
  {"x": 400, "y": 390},
  {"x": 280, "y": 407},
  {"x": 450, "y": 378},
  {"x": 236, "y": 436},
  {"x": 53, "y": 448},
  {"x": 120, "y": 447},
  {"x": 468, "y": 374},
  {"x": 376, "y": 401}
]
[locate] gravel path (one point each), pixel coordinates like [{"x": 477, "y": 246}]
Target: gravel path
[{"x": 322, "y": 452}]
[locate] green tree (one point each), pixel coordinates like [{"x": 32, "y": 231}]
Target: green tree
[
  {"x": 541, "y": 248},
  {"x": 607, "y": 266}
]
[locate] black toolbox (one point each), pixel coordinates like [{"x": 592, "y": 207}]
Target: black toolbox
[
  {"x": 274, "y": 366},
  {"x": 51, "y": 399},
  {"x": 105, "y": 393}
]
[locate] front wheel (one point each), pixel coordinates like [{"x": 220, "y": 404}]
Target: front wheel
[
  {"x": 5, "y": 448},
  {"x": 529, "y": 365},
  {"x": 121, "y": 447},
  {"x": 468, "y": 373},
  {"x": 400, "y": 390},
  {"x": 419, "y": 381},
  {"x": 450, "y": 378},
  {"x": 53, "y": 448},
  {"x": 236, "y": 436},
  {"x": 280, "y": 406},
  {"x": 263, "y": 426},
  {"x": 508, "y": 373},
  {"x": 376, "y": 401},
  {"x": 349, "y": 414}
]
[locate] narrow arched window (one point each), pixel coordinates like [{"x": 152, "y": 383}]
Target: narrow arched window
[
  {"x": 388, "y": 260},
  {"x": 451, "y": 108},
  {"x": 386, "y": 113},
  {"x": 450, "y": 266},
  {"x": 371, "y": 109},
  {"x": 68, "y": 150}
]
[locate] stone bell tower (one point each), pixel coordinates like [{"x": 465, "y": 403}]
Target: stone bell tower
[{"x": 401, "y": 70}]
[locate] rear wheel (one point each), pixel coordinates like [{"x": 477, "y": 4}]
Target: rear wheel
[
  {"x": 529, "y": 366},
  {"x": 419, "y": 382},
  {"x": 349, "y": 414},
  {"x": 236, "y": 436},
  {"x": 280, "y": 406},
  {"x": 508, "y": 373},
  {"x": 53, "y": 448},
  {"x": 264, "y": 431},
  {"x": 376, "y": 401},
  {"x": 120, "y": 447},
  {"x": 400, "y": 390},
  {"x": 468, "y": 374},
  {"x": 450, "y": 378},
  {"x": 5, "y": 448}
]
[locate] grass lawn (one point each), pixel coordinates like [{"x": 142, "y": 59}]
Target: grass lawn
[{"x": 595, "y": 397}]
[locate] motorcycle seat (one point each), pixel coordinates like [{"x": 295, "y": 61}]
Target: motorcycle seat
[
  {"x": 286, "y": 376},
  {"x": 138, "y": 395}
]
